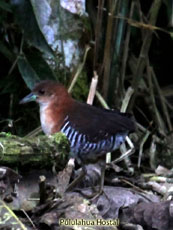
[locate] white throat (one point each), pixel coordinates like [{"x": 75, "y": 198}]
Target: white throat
[{"x": 46, "y": 123}]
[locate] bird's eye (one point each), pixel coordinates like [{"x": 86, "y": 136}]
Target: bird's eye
[{"x": 41, "y": 91}]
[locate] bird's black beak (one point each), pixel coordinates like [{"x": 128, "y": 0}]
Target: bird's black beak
[{"x": 28, "y": 98}]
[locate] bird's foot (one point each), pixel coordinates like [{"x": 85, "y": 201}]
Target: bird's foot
[
  {"x": 75, "y": 181},
  {"x": 91, "y": 196},
  {"x": 94, "y": 195}
]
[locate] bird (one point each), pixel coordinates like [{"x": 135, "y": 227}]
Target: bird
[{"x": 91, "y": 131}]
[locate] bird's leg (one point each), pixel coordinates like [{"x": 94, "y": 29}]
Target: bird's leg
[
  {"x": 102, "y": 176},
  {"x": 77, "y": 180},
  {"x": 97, "y": 193},
  {"x": 102, "y": 179}
]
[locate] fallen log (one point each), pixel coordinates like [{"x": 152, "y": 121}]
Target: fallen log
[{"x": 40, "y": 151}]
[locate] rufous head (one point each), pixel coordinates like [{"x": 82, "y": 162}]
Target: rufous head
[{"x": 45, "y": 92}]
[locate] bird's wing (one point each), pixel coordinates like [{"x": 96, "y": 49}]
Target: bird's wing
[{"x": 98, "y": 124}]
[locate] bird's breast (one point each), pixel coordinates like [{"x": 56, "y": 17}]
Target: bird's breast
[{"x": 47, "y": 122}]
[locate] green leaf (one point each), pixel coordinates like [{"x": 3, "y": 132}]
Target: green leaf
[
  {"x": 5, "y": 6},
  {"x": 40, "y": 66},
  {"x": 34, "y": 68},
  {"x": 28, "y": 73},
  {"x": 26, "y": 17}
]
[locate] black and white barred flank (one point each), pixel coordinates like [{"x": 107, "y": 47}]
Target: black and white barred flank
[{"x": 85, "y": 148}]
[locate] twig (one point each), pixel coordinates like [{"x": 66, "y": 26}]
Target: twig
[
  {"x": 152, "y": 153},
  {"x": 64, "y": 177},
  {"x": 141, "y": 63},
  {"x": 126, "y": 49},
  {"x": 124, "y": 106},
  {"x": 33, "y": 225},
  {"x": 142, "y": 25},
  {"x": 158, "y": 119},
  {"x": 104, "y": 104},
  {"x": 133, "y": 186},
  {"x": 141, "y": 147},
  {"x": 34, "y": 132},
  {"x": 126, "y": 99},
  {"x": 42, "y": 189},
  {"x": 92, "y": 90},
  {"x": 97, "y": 30},
  {"x": 101, "y": 100},
  {"x": 162, "y": 100},
  {"x": 79, "y": 70},
  {"x": 108, "y": 47},
  {"x": 161, "y": 189}
]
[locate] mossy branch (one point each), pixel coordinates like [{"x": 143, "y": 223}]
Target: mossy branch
[{"x": 38, "y": 151}]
